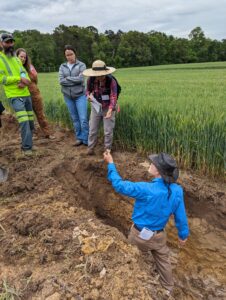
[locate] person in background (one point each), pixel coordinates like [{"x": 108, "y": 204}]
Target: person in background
[
  {"x": 155, "y": 202},
  {"x": 101, "y": 89},
  {"x": 36, "y": 97},
  {"x": 73, "y": 89},
  {"x": 15, "y": 81}
]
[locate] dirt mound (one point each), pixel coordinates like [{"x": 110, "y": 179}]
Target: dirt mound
[{"x": 62, "y": 228}]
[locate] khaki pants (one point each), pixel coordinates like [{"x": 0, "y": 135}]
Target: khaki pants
[
  {"x": 94, "y": 123},
  {"x": 160, "y": 251}
]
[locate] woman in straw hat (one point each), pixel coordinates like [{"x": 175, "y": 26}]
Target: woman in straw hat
[
  {"x": 102, "y": 93},
  {"x": 155, "y": 202}
]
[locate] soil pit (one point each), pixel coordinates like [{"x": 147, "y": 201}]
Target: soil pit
[{"x": 63, "y": 228}]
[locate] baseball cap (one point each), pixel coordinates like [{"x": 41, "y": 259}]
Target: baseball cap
[{"x": 7, "y": 37}]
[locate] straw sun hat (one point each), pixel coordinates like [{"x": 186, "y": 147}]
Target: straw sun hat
[{"x": 99, "y": 68}]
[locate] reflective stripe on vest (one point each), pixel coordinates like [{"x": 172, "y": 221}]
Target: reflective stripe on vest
[
  {"x": 4, "y": 80},
  {"x": 6, "y": 65}
]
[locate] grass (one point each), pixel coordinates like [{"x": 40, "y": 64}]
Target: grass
[
  {"x": 178, "y": 109},
  {"x": 8, "y": 293}
]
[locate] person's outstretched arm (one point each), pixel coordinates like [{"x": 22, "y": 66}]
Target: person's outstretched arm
[{"x": 124, "y": 187}]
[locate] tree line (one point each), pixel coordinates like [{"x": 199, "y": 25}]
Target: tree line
[{"x": 119, "y": 49}]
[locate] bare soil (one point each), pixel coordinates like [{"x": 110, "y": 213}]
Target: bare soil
[{"x": 63, "y": 228}]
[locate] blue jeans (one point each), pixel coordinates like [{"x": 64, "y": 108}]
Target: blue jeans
[
  {"x": 25, "y": 117},
  {"x": 78, "y": 112}
]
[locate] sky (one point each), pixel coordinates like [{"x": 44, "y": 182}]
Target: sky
[{"x": 175, "y": 17}]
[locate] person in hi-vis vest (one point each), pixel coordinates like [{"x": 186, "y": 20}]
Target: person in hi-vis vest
[{"x": 15, "y": 81}]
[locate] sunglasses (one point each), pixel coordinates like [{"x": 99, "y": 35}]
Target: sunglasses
[{"x": 9, "y": 42}]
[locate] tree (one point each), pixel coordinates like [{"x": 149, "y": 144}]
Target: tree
[
  {"x": 40, "y": 47},
  {"x": 199, "y": 44},
  {"x": 134, "y": 49},
  {"x": 120, "y": 49}
]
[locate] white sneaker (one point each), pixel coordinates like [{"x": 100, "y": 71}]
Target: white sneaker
[{"x": 28, "y": 152}]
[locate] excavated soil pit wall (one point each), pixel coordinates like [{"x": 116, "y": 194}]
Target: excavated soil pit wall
[
  {"x": 200, "y": 267},
  {"x": 53, "y": 247},
  {"x": 86, "y": 182}
]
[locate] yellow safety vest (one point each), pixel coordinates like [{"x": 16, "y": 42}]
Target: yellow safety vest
[{"x": 10, "y": 70}]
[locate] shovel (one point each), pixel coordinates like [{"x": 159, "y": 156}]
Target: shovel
[{"x": 3, "y": 174}]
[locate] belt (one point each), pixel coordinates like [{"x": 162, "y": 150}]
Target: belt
[{"x": 155, "y": 231}]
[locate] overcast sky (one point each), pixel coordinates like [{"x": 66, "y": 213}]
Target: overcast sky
[{"x": 176, "y": 17}]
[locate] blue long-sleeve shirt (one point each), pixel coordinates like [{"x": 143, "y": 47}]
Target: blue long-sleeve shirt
[{"x": 152, "y": 207}]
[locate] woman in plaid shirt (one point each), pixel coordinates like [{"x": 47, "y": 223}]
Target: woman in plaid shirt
[{"x": 102, "y": 93}]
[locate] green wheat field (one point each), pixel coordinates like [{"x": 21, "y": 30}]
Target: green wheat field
[{"x": 179, "y": 109}]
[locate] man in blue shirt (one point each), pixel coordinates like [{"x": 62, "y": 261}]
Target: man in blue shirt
[{"x": 155, "y": 202}]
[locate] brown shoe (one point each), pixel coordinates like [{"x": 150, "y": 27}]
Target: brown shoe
[
  {"x": 90, "y": 152},
  {"x": 77, "y": 143}
]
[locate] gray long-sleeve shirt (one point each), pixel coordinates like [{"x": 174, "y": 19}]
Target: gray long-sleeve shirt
[{"x": 72, "y": 80}]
